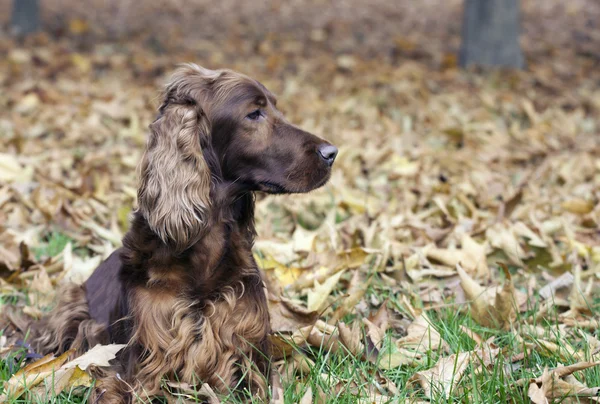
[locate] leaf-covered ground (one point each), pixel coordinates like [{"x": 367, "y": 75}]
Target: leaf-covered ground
[{"x": 455, "y": 253}]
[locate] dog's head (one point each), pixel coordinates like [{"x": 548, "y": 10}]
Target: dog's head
[{"x": 219, "y": 126}]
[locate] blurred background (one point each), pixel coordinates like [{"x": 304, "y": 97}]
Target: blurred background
[
  {"x": 468, "y": 132},
  {"x": 80, "y": 81}
]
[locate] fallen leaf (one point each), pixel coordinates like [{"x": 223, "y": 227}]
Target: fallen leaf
[
  {"x": 422, "y": 337},
  {"x": 472, "y": 256},
  {"x": 578, "y": 206},
  {"x": 351, "y": 338},
  {"x": 285, "y": 344},
  {"x": 33, "y": 374},
  {"x": 440, "y": 380},
  {"x": 553, "y": 384},
  {"x": 307, "y": 398},
  {"x": 356, "y": 292},
  {"x": 321, "y": 340},
  {"x": 580, "y": 300},
  {"x": 484, "y": 355},
  {"x": 277, "y": 272},
  {"x": 317, "y": 296},
  {"x": 287, "y": 315},
  {"x": 61, "y": 380},
  {"x": 187, "y": 391},
  {"x": 563, "y": 281},
  {"x": 396, "y": 357},
  {"x": 276, "y": 389},
  {"x": 99, "y": 355},
  {"x": 503, "y": 237},
  {"x": 12, "y": 171},
  {"x": 492, "y": 307},
  {"x": 376, "y": 326}
]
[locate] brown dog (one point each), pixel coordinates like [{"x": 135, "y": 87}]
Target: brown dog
[{"x": 184, "y": 292}]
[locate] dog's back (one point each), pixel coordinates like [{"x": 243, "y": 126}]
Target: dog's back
[
  {"x": 86, "y": 315},
  {"x": 106, "y": 298}
]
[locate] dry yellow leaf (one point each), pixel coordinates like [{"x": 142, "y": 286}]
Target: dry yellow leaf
[
  {"x": 282, "y": 274},
  {"x": 288, "y": 315},
  {"x": 317, "y": 296},
  {"x": 99, "y": 355},
  {"x": 307, "y": 397},
  {"x": 351, "y": 338},
  {"x": 441, "y": 379},
  {"x": 33, "y": 374},
  {"x": 62, "y": 379},
  {"x": 578, "y": 206},
  {"x": 319, "y": 339},
  {"x": 503, "y": 237},
  {"x": 492, "y": 307},
  {"x": 422, "y": 337},
  {"x": 556, "y": 384},
  {"x": 472, "y": 256},
  {"x": 78, "y": 26},
  {"x": 12, "y": 171},
  {"x": 399, "y": 357},
  {"x": 580, "y": 299},
  {"x": 355, "y": 293}
]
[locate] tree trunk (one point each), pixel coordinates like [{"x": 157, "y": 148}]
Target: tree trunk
[
  {"x": 25, "y": 16},
  {"x": 490, "y": 34}
]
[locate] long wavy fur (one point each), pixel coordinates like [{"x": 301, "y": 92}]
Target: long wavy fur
[{"x": 174, "y": 191}]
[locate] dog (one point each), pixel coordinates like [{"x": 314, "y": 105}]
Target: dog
[{"x": 184, "y": 292}]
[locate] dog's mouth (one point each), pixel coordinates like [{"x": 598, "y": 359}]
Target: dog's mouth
[
  {"x": 275, "y": 188},
  {"x": 272, "y": 188},
  {"x": 323, "y": 180}
]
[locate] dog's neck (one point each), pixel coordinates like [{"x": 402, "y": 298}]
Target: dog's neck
[
  {"x": 233, "y": 205},
  {"x": 220, "y": 257}
]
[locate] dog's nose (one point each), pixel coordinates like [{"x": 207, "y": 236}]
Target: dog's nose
[{"x": 328, "y": 153}]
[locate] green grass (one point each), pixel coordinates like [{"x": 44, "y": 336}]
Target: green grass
[
  {"x": 52, "y": 245},
  {"x": 343, "y": 376},
  {"x": 14, "y": 361}
]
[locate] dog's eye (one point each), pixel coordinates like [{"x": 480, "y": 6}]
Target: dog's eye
[{"x": 255, "y": 115}]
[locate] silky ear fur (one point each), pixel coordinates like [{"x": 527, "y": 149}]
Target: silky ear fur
[{"x": 174, "y": 191}]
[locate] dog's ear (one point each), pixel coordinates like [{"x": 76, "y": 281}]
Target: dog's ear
[{"x": 174, "y": 191}]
